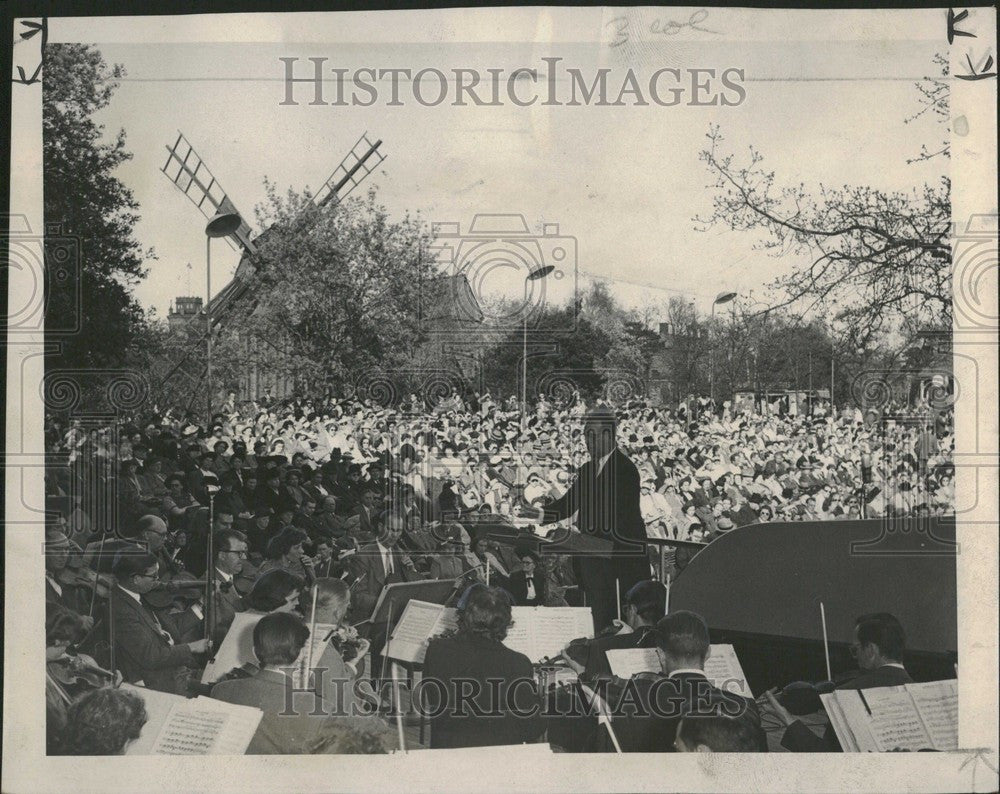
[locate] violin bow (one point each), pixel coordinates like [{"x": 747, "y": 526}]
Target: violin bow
[
  {"x": 97, "y": 576},
  {"x": 312, "y": 635}
]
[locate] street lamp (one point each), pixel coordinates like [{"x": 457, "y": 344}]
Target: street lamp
[
  {"x": 537, "y": 274},
  {"x": 222, "y": 224},
  {"x": 722, "y": 297}
]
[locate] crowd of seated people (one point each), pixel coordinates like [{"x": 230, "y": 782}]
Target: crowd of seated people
[{"x": 278, "y": 507}]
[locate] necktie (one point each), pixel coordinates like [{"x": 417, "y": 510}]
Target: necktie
[{"x": 388, "y": 563}]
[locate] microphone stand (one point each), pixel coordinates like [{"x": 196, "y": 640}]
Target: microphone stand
[{"x": 210, "y": 576}]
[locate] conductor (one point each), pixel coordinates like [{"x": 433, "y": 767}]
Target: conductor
[{"x": 605, "y": 499}]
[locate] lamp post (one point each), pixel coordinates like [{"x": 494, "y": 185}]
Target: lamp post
[
  {"x": 222, "y": 224},
  {"x": 722, "y": 297},
  {"x": 535, "y": 275}
]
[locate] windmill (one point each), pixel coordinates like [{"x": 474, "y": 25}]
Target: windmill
[{"x": 192, "y": 177}]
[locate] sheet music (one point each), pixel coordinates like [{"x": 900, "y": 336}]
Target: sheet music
[
  {"x": 236, "y": 649},
  {"x": 858, "y": 723},
  {"x": 627, "y": 662},
  {"x": 724, "y": 670},
  {"x": 841, "y": 726},
  {"x": 421, "y": 621},
  {"x": 544, "y": 631},
  {"x": 937, "y": 704},
  {"x": 158, "y": 705},
  {"x": 895, "y": 722},
  {"x": 318, "y": 642},
  {"x": 207, "y": 727}
]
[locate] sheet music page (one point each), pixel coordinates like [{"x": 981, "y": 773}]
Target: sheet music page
[
  {"x": 834, "y": 711},
  {"x": 420, "y": 621},
  {"x": 858, "y": 723},
  {"x": 207, "y": 727},
  {"x": 158, "y": 706},
  {"x": 937, "y": 705},
  {"x": 544, "y": 631},
  {"x": 724, "y": 670},
  {"x": 895, "y": 721},
  {"x": 236, "y": 649},
  {"x": 627, "y": 662}
]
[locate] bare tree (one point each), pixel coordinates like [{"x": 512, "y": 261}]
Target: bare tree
[{"x": 878, "y": 258}]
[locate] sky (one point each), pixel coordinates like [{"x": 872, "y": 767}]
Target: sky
[{"x": 827, "y": 95}]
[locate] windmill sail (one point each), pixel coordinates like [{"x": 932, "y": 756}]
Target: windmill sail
[
  {"x": 363, "y": 158},
  {"x": 190, "y": 175}
]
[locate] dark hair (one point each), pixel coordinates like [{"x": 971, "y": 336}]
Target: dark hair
[
  {"x": 281, "y": 544},
  {"x": 485, "y": 613},
  {"x": 721, "y": 733},
  {"x": 271, "y": 590},
  {"x": 175, "y": 477},
  {"x": 683, "y": 635},
  {"x": 131, "y": 561},
  {"x": 103, "y": 722},
  {"x": 61, "y": 624},
  {"x": 649, "y": 599},
  {"x": 223, "y": 539},
  {"x": 278, "y": 638},
  {"x": 885, "y": 632}
]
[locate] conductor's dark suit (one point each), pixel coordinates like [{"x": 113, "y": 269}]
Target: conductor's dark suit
[{"x": 606, "y": 505}]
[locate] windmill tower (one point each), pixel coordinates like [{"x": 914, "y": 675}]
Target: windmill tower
[{"x": 192, "y": 177}]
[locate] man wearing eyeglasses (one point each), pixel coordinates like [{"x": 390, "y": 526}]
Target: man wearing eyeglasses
[
  {"x": 231, "y": 551},
  {"x": 878, "y": 647},
  {"x": 146, "y": 647}
]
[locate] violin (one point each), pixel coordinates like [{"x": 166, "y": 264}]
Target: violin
[
  {"x": 184, "y": 588},
  {"x": 802, "y": 697},
  {"x": 77, "y": 673},
  {"x": 87, "y": 578}
]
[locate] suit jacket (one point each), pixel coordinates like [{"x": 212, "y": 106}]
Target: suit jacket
[
  {"x": 227, "y": 603},
  {"x": 142, "y": 652},
  {"x": 606, "y": 503},
  {"x": 293, "y": 720},
  {"x": 490, "y": 721},
  {"x": 517, "y": 584},
  {"x": 369, "y": 571},
  {"x": 647, "y": 709},
  {"x": 799, "y": 739}
]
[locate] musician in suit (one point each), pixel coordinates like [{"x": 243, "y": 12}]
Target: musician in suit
[
  {"x": 879, "y": 644},
  {"x": 146, "y": 649},
  {"x": 527, "y": 585},
  {"x": 380, "y": 563},
  {"x": 605, "y": 499},
  {"x": 575, "y": 729},
  {"x": 231, "y": 551},
  {"x": 339, "y": 667},
  {"x": 57, "y": 551},
  {"x": 487, "y": 714},
  {"x": 294, "y": 718},
  {"x": 647, "y": 708}
]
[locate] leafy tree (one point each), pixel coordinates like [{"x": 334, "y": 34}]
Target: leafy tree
[
  {"x": 93, "y": 209},
  {"x": 335, "y": 292}
]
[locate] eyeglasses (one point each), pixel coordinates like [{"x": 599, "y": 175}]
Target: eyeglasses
[
  {"x": 154, "y": 576},
  {"x": 241, "y": 553}
]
